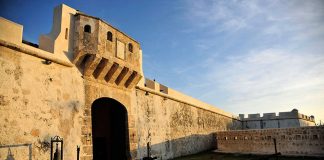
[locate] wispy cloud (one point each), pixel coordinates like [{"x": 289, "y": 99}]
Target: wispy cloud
[
  {"x": 229, "y": 15},
  {"x": 224, "y": 15},
  {"x": 268, "y": 81},
  {"x": 267, "y": 72},
  {"x": 271, "y": 57}
]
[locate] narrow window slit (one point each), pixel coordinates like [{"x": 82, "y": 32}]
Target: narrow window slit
[{"x": 66, "y": 33}]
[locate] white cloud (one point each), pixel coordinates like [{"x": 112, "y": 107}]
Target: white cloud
[
  {"x": 270, "y": 80},
  {"x": 267, "y": 17},
  {"x": 280, "y": 67},
  {"x": 223, "y": 15},
  {"x": 267, "y": 72}
]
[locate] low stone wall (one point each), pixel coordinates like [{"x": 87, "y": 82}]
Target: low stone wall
[{"x": 290, "y": 141}]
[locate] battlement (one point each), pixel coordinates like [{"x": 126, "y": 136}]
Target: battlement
[
  {"x": 272, "y": 116},
  {"x": 153, "y": 87},
  {"x": 156, "y": 86}
]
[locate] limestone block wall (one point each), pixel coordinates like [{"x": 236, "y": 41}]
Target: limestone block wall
[
  {"x": 38, "y": 101},
  {"x": 174, "y": 128},
  {"x": 95, "y": 91},
  {"x": 290, "y": 141}
]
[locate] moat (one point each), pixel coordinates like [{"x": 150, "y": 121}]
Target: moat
[{"x": 221, "y": 156}]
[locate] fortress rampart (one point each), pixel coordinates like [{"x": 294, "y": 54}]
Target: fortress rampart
[
  {"x": 270, "y": 120},
  {"x": 282, "y": 115},
  {"x": 85, "y": 83}
]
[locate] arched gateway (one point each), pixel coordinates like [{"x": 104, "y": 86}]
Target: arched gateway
[{"x": 109, "y": 130}]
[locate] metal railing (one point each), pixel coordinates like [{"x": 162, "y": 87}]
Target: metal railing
[{"x": 19, "y": 145}]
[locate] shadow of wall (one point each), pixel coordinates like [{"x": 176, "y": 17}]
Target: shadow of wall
[
  {"x": 174, "y": 128},
  {"x": 178, "y": 147}
]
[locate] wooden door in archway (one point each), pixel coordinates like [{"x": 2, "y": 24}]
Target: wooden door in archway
[{"x": 109, "y": 130}]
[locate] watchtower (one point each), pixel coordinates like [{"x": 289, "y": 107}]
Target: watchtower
[
  {"x": 100, "y": 51},
  {"x": 106, "y": 54}
]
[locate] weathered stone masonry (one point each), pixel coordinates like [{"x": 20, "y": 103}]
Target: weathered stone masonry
[
  {"x": 79, "y": 70},
  {"x": 290, "y": 141},
  {"x": 176, "y": 128}
]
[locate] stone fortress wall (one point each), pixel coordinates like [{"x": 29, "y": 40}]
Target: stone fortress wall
[
  {"x": 41, "y": 96},
  {"x": 303, "y": 141},
  {"x": 53, "y": 89},
  {"x": 84, "y": 64},
  {"x": 270, "y": 120},
  {"x": 175, "y": 124}
]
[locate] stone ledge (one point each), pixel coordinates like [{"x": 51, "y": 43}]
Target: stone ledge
[{"x": 36, "y": 53}]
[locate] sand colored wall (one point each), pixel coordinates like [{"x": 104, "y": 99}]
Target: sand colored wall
[
  {"x": 174, "y": 128},
  {"x": 169, "y": 122},
  {"x": 60, "y": 39},
  {"x": 158, "y": 88},
  {"x": 290, "y": 141},
  {"x": 10, "y": 31},
  {"x": 37, "y": 102}
]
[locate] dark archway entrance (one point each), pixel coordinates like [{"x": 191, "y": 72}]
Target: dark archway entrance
[{"x": 109, "y": 130}]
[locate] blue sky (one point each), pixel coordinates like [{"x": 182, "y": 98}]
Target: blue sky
[{"x": 241, "y": 56}]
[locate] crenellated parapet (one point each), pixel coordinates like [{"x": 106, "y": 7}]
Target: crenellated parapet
[
  {"x": 151, "y": 84},
  {"x": 272, "y": 116},
  {"x": 105, "y": 54}
]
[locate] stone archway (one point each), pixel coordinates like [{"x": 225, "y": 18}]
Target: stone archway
[{"x": 109, "y": 130}]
